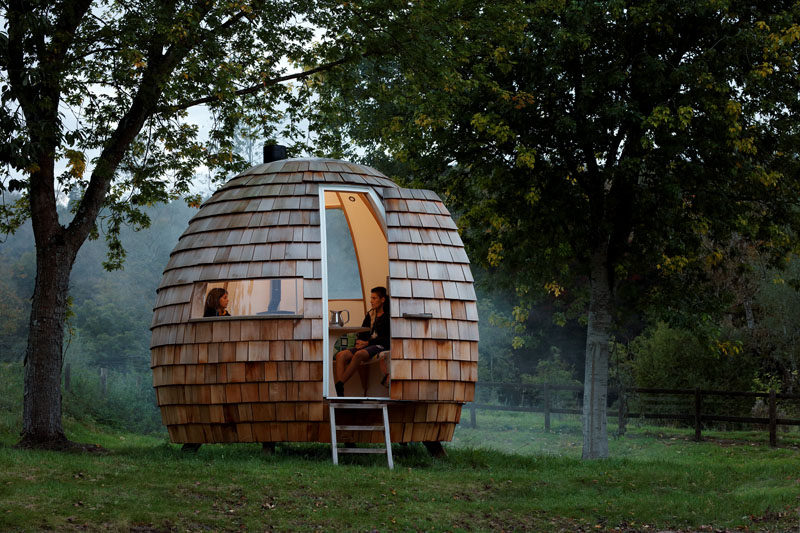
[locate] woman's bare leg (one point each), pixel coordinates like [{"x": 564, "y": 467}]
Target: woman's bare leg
[
  {"x": 342, "y": 358},
  {"x": 384, "y": 371},
  {"x": 352, "y": 366},
  {"x": 363, "y": 372}
]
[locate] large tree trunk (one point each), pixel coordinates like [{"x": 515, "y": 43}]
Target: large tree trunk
[
  {"x": 595, "y": 384},
  {"x": 41, "y": 413}
]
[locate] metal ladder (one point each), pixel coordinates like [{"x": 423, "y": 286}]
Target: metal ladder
[{"x": 350, "y": 404}]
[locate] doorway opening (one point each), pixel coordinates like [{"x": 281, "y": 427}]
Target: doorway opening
[{"x": 355, "y": 258}]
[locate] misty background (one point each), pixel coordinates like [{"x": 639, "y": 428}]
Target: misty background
[{"x": 743, "y": 338}]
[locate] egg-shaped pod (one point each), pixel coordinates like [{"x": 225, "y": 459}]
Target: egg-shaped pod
[{"x": 294, "y": 247}]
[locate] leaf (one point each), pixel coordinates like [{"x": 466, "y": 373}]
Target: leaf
[{"x": 17, "y": 185}]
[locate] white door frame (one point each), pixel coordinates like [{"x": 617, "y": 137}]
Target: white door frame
[{"x": 377, "y": 205}]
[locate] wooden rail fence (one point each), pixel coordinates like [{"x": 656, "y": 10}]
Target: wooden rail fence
[{"x": 697, "y": 416}]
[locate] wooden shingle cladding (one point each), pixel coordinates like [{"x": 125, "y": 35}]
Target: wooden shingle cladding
[
  {"x": 261, "y": 380},
  {"x": 284, "y": 422},
  {"x": 434, "y": 309}
]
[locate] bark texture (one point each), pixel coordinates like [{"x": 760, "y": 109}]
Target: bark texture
[
  {"x": 595, "y": 393},
  {"x": 41, "y": 411}
]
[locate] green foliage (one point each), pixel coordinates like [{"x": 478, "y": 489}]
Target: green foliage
[
  {"x": 17, "y": 260},
  {"x": 114, "y": 312},
  {"x": 776, "y": 336},
  {"x": 610, "y": 146},
  {"x": 631, "y": 112},
  {"x": 10, "y": 394},
  {"x": 110, "y": 313},
  {"x": 516, "y": 339},
  {"x": 674, "y": 358},
  {"x": 756, "y": 309},
  {"x": 496, "y": 361},
  {"x": 129, "y": 403},
  {"x": 552, "y": 370},
  {"x": 128, "y": 73}
]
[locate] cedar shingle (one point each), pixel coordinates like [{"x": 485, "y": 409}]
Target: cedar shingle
[
  {"x": 241, "y": 351},
  {"x": 401, "y": 328},
  {"x": 258, "y": 351},
  {"x": 421, "y": 288},
  {"x": 433, "y": 307},
  {"x": 400, "y": 288}
]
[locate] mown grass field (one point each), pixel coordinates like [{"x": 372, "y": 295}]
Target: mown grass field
[{"x": 506, "y": 475}]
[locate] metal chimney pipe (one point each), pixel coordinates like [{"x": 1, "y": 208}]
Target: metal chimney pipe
[{"x": 274, "y": 152}]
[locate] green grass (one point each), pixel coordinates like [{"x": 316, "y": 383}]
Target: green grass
[
  {"x": 523, "y": 433},
  {"x": 657, "y": 478}
]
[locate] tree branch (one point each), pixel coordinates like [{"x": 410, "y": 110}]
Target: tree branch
[
  {"x": 256, "y": 88},
  {"x": 91, "y": 52},
  {"x": 16, "y": 57},
  {"x": 72, "y": 13},
  {"x": 227, "y": 24},
  {"x": 159, "y": 67}
]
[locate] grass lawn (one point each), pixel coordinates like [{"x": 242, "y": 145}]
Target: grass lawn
[{"x": 506, "y": 475}]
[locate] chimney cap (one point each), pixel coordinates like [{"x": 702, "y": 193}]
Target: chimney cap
[{"x": 274, "y": 152}]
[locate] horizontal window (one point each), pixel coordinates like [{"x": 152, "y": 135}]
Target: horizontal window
[{"x": 251, "y": 298}]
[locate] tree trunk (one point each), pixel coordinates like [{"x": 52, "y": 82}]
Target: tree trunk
[
  {"x": 595, "y": 384},
  {"x": 748, "y": 313},
  {"x": 41, "y": 412}
]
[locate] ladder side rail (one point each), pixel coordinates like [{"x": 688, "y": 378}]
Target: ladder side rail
[
  {"x": 334, "y": 450},
  {"x": 388, "y": 439}
]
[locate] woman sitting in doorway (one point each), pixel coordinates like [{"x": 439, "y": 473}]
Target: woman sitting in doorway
[
  {"x": 217, "y": 303},
  {"x": 369, "y": 343}
]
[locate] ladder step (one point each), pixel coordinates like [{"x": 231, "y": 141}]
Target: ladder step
[
  {"x": 360, "y": 450},
  {"x": 359, "y": 428}
]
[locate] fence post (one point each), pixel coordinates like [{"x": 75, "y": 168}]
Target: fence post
[
  {"x": 621, "y": 413},
  {"x": 473, "y": 421},
  {"x": 104, "y": 381},
  {"x": 698, "y": 405},
  {"x": 67, "y": 376},
  {"x": 773, "y": 419},
  {"x": 547, "y": 407}
]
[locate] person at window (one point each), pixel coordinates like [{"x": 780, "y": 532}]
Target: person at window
[
  {"x": 369, "y": 343},
  {"x": 217, "y": 303}
]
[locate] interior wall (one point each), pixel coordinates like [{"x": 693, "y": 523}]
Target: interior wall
[
  {"x": 370, "y": 241},
  {"x": 356, "y": 308}
]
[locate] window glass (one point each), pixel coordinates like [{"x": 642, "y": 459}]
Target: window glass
[
  {"x": 252, "y": 297},
  {"x": 344, "y": 281}
]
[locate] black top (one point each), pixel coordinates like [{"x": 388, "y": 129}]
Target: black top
[
  {"x": 214, "y": 312},
  {"x": 379, "y": 333}
]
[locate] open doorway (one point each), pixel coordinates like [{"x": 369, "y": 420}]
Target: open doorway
[{"x": 355, "y": 258}]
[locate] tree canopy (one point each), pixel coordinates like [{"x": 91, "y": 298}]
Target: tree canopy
[
  {"x": 94, "y": 105},
  {"x": 594, "y": 150}
]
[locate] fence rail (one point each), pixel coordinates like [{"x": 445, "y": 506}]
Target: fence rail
[{"x": 698, "y": 414}]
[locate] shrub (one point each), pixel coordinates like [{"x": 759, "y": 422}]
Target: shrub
[
  {"x": 10, "y": 398},
  {"x": 554, "y": 371},
  {"x": 667, "y": 357},
  {"x": 675, "y": 358},
  {"x": 128, "y": 404}
]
